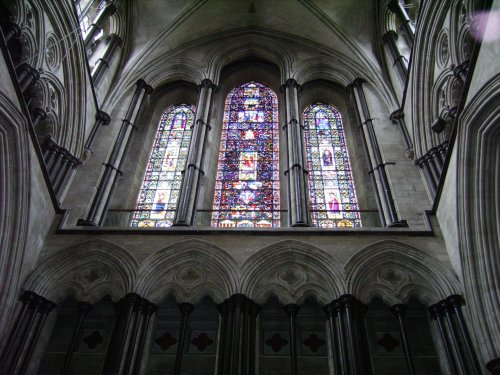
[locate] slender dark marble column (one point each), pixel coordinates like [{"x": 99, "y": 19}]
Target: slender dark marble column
[
  {"x": 375, "y": 157},
  {"x": 461, "y": 71},
  {"x": 186, "y": 309},
  {"x": 437, "y": 316},
  {"x": 493, "y": 366},
  {"x": 186, "y": 205},
  {"x": 83, "y": 309},
  {"x": 28, "y": 301},
  {"x": 348, "y": 302},
  {"x": 397, "y": 117},
  {"x": 237, "y": 336},
  {"x": 98, "y": 23},
  {"x": 12, "y": 31},
  {"x": 331, "y": 315},
  {"x": 27, "y": 76},
  {"x": 118, "y": 348},
  {"x": 341, "y": 334},
  {"x": 399, "y": 312},
  {"x": 456, "y": 302},
  {"x": 298, "y": 209},
  {"x": 112, "y": 168},
  {"x": 398, "y": 61},
  {"x": 292, "y": 310},
  {"x": 113, "y": 42},
  {"x": 101, "y": 119},
  {"x": 37, "y": 116},
  {"x": 407, "y": 25}
]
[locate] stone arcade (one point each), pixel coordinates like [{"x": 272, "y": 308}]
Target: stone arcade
[{"x": 325, "y": 199}]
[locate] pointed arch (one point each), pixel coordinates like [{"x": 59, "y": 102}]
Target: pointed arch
[
  {"x": 189, "y": 270},
  {"x": 89, "y": 270},
  {"x": 395, "y": 271},
  {"x": 292, "y": 271}
]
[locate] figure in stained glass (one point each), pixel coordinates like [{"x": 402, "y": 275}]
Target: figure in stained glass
[
  {"x": 160, "y": 189},
  {"x": 247, "y": 184},
  {"x": 331, "y": 186}
]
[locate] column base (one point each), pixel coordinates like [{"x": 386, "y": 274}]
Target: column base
[
  {"x": 399, "y": 224},
  {"x": 493, "y": 366},
  {"x": 86, "y": 223},
  {"x": 181, "y": 224}
]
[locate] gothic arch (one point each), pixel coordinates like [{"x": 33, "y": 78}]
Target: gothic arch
[
  {"x": 14, "y": 201},
  {"x": 478, "y": 218},
  {"x": 89, "y": 270},
  {"x": 395, "y": 271},
  {"x": 324, "y": 68},
  {"x": 189, "y": 270},
  {"x": 292, "y": 271}
]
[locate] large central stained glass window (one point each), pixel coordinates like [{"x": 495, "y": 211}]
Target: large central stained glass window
[
  {"x": 247, "y": 183},
  {"x": 160, "y": 189},
  {"x": 331, "y": 186}
]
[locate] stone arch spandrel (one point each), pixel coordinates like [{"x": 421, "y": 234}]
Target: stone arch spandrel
[
  {"x": 189, "y": 270},
  {"x": 396, "y": 271},
  {"x": 88, "y": 270},
  {"x": 292, "y": 271}
]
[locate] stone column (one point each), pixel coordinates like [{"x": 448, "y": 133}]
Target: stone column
[
  {"x": 383, "y": 189},
  {"x": 298, "y": 209},
  {"x": 337, "y": 358},
  {"x": 112, "y": 167},
  {"x": 113, "y": 41},
  {"x": 237, "y": 336},
  {"x": 407, "y": 26},
  {"x": 292, "y": 310},
  {"x": 399, "y": 312},
  {"x": 398, "y": 118},
  {"x": 186, "y": 309},
  {"x": 192, "y": 174},
  {"x": 98, "y": 23},
  {"x": 101, "y": 119},
  {"x": 83, "y": 309},
  {"x": 398, "y": 61}
]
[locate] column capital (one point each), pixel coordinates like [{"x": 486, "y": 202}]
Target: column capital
[
  {"x": 398, "y": 309},
  {"x": 291, "y": 83},
  {"x": 456, "y": 300},
  {"x": 85, "y": 307},
  {"x": 114, "y": 38},
  {"x": 436, "y": 311},
  {"x": 394, "y": 6},
  {"x": 460, "y": 71},
  {"x": 292, "y": 309},
  {"x": 389, "y": 36},
  {"x": 438, "y": 125},
  {"x": 493, "y": 366},
  {"x": 397, "y": 115},
  {"x": 141, "y": 84},
  {"x": 45, "y": 306},
  {"x": 186, "y": 308},
  {"x": 40, "y": 113},
  {"x": 330, "y": 310},
  {"x": 103, "y": 117},
  {"x": 28, "y": 297},
  {"x": 348, "y": 300},
  {"x": 208, "y": 84}
]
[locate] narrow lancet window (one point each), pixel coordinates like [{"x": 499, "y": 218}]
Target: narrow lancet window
[
  {"x": 247, "y": 183},
  {"x": 160, "y": 189},
  {"x": 331, "y": 186}
]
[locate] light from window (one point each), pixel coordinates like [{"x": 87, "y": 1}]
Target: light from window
[
  {"x": 331, "y": 186},
  {"x": 247, "y": 183},
  {"x": 160, "y": 190}
]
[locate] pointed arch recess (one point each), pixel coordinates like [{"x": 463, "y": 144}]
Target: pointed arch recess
[
  {"x": 396, "y": 271},
  {"x": 292, "y": 271},
  {"x": 89, "y": 271},
  {"x": 189, "y": 270}
]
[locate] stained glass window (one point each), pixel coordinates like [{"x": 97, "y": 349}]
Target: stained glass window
[
  {"x": 331, "y": 186},
  {"x": 247, "y": 183},
  {"x": 160, "y": 190}
]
